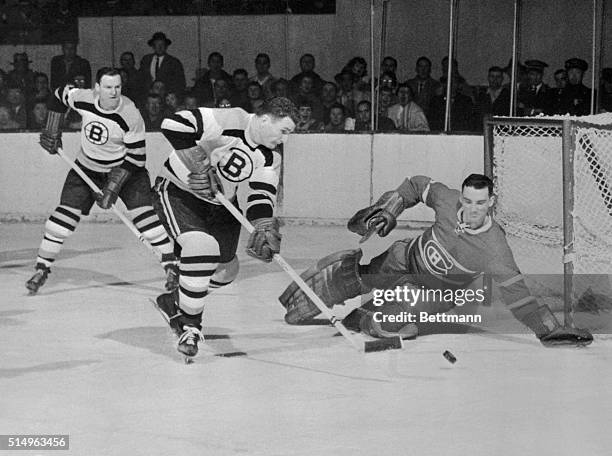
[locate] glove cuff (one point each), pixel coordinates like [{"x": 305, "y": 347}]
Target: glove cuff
[
  {"x": 116, "y": 178},
  {"x": 541, "y": 321},
  {"x": 53, "y": 123}
]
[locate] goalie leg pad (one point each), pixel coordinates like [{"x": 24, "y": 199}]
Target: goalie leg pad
[{"x": 334, "y": 279}]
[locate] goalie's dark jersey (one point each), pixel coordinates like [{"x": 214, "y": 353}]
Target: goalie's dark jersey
[
  {"x": 456, "y": 254},
  {"x": 108, "y": 138},
  {"x": 224, "y": 135}
]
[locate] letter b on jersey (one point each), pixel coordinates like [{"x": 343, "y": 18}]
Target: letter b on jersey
[
  {"x": 96, "y": 133},
  {"x": 238, "y": 166}
]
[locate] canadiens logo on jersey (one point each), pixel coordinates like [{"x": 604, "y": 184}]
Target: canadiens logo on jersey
[{"x": 436, "y": 259}]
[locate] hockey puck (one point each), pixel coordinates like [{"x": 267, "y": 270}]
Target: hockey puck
[{"x": 449, "y": 357}]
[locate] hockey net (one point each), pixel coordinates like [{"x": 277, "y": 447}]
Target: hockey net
[{"x": 526, "y": 162}]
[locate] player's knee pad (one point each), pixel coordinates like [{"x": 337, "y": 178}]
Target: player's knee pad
[
  {"x": 334, "y": 279},
  {"x": 63, "y": 221},
  {"x": 225, "y": 273}
]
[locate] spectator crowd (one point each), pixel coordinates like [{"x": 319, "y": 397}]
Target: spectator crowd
[{"x": 158, "y": 86}]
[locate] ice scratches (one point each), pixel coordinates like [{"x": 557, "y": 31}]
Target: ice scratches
[{"x": 12, "y": 372}]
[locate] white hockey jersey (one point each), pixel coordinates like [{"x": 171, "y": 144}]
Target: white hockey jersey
[
  {"x": 234, "y": 155},
  {"x": 107, "y": 137}
]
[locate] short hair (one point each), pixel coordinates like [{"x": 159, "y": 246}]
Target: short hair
[
  {"x": 279, "y": 107},
  {"x": 106, "y": 71},
  {"x": 404, "y": 84},
  {"x": 264, "y": 56},
  {"x": 240, "y": 71},
  {"x": 478, "y": 181},
  {"x": 215, "y": 54},
  {"x": 331, "y": 83},
  {"x": 496, "y": 69},
  {"x": 366, "y": 103},
  {"x": 306, "y": 55},
  {"x": 338, "y": 106},
  {"x": 393, "y": 59},
  {"x": 424, "y": 59},
  {"x": 278, "y": 82}
]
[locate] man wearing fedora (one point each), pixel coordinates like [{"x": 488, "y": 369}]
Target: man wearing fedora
[
  {"x": 160, "y": 66},
  {"x": 21, "y": 75}
]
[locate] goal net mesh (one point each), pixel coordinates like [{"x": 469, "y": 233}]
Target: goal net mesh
[{"x": 527, "y": 161}]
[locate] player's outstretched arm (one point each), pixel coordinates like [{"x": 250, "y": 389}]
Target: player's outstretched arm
[
  {"x": 381, "y": 216},
  {"x": 51, "y": 135}
]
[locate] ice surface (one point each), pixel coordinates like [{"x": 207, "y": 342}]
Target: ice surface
[{"x": 90, "y": 357}]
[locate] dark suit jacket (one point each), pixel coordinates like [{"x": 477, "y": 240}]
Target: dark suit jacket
[
  {"x": 170, "y": 72},
  {"x": 425, "y": 95},
  {"x": 60, "y": 77}
]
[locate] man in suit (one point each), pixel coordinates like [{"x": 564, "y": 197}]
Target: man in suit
[
  {"x": 535, "y": 97},
  {"x": 495, "y": 99},
  {"x": 68, "y": 65},
  {"x": 423, "y": 85},
  {"x": 160, "y": 66}
]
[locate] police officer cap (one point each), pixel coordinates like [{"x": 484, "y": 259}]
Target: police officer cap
[
  {"x": 536, "y": 65},
  {"x": 576, "y": 63}
]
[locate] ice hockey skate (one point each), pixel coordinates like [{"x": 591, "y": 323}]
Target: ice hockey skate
[
  {"x": 187, "y": 328},
  {"x": 38, "y": 279}
]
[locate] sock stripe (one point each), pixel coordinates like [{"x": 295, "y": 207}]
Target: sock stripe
[
  {"x": 67, "y": 213},
  {"x": 201, "y": 259}
]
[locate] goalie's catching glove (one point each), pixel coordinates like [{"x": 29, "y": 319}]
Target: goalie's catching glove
[
  {"x": 114, "y": 182},
  {"x": 265, "y": 240},
  {"x": 383, "y": 214}
]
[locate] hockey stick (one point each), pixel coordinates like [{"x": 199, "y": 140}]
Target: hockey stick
[
  {"x": 368, "y": 346},
  {"x": 77, "y": 169}
]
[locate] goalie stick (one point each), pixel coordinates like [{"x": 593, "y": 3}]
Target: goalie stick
[{"x": 367, "y": 346}]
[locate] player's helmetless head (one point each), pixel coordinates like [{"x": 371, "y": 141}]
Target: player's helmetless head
[
  {"x": 476, "y": 199},
  {"x": 274, "y": 121},
  {"x": 108, "y": 88}
]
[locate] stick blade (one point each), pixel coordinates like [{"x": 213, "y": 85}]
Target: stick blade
[{"x": 387, "y": 343}]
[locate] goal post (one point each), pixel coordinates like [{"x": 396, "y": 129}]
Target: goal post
[{"x": 553, "y": 187}]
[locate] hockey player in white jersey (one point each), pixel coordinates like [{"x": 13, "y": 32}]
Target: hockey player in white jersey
[
  {"x": 112, "y": 154},
  {"x": 217, "y": 148}
]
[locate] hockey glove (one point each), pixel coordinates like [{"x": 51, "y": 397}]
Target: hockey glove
[
  {"x": 383, "y": 214},
  {"x": 547, "y": 328},
  {"x": 205, "y": 183},
  {"x": 114, "y": 182},
  {"x": 567, "y": 336},
  {"x": 265, "y": 240},
  {"x": 51, "y": 135}
]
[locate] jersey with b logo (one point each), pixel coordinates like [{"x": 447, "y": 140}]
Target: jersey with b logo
[
  {"x": 107, "y": 137},
  {"x": 236, "y": 158}
]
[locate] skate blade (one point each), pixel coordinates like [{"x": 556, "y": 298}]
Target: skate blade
[
  {"x": 186, "y": 358},
  {"x": 387, "y": 343}
]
